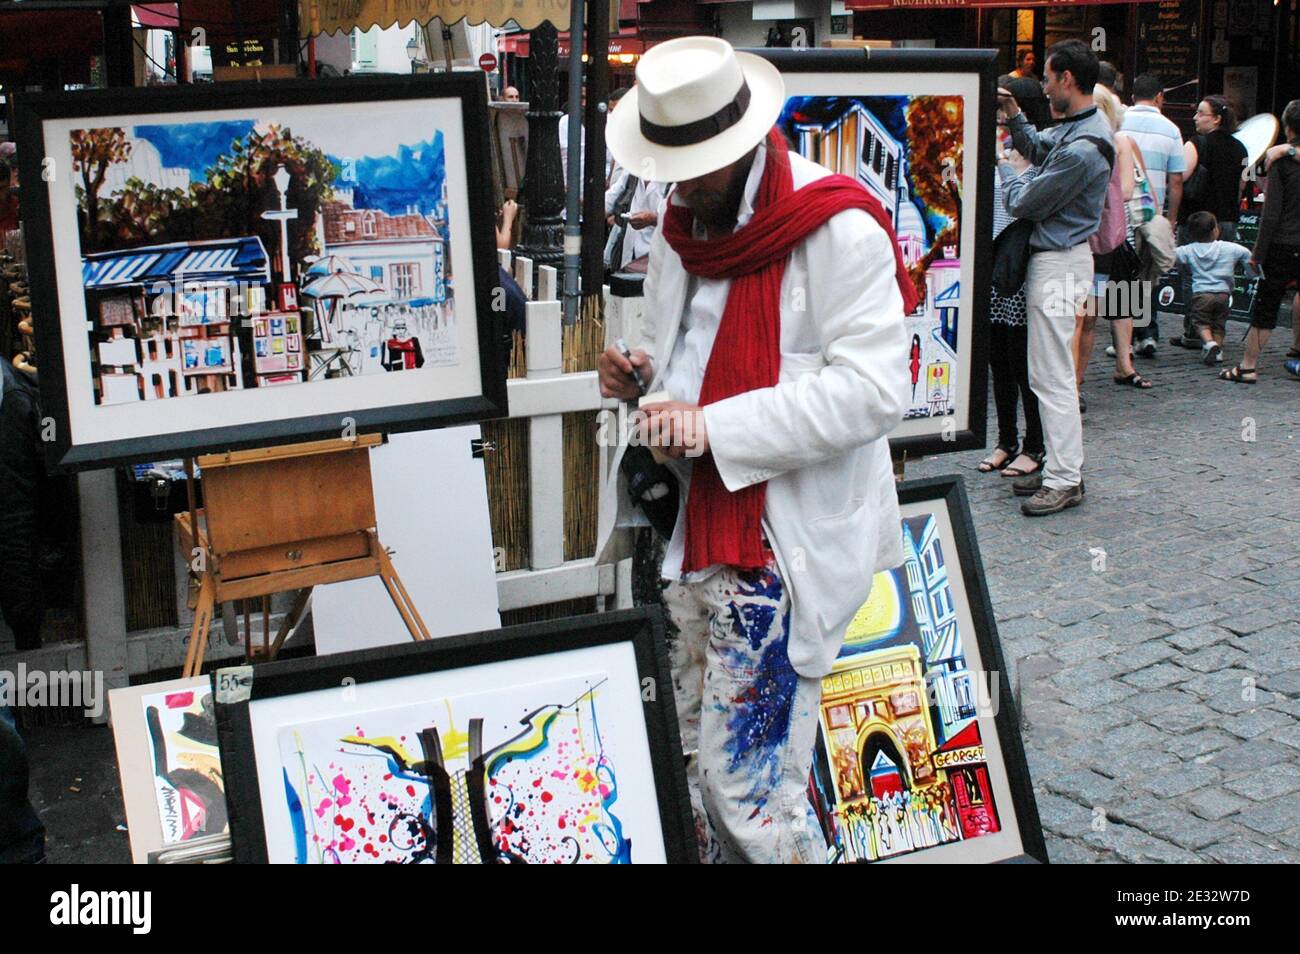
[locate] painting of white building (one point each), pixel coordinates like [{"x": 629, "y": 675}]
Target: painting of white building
[{"x": 405, "y": 256}]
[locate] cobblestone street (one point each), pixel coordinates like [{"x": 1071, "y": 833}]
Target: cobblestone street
[
  {"x": 1154, "y": 633},
  {"x": 1160, "y": 690}
]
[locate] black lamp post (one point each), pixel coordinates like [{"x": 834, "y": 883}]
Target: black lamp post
[{"x": 542, "y": 194}]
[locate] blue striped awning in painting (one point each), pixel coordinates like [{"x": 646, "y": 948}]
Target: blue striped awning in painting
[{"x": 216, "y": 260}]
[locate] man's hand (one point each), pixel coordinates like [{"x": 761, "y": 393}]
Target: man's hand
[
  {"x": 1007, "y": 103},
  {"x": 615, "y": 373},
  {"x": 1015, "y": 160},
  {"x": 641, "y": 220},
  {"x": 676, "y": 428}
]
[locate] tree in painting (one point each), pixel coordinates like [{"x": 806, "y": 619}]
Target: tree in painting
[{"x": 93, "y": 151}]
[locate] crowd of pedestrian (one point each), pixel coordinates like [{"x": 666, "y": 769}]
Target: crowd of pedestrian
[{"x": 1094, "y": 202}]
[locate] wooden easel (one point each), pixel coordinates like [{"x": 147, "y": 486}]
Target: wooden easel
[{"x": 283, "y": 518}]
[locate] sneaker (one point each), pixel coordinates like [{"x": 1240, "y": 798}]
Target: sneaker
[
  {"x": 1146, "y": 348},
  {"x": 1051, "y": 500},
  {"x": 1110, "y": 351},
  {"x": 1293, "y": 367},
  {"x": 1211, "y": 353},
  {"x": 1029, "y": 485}
]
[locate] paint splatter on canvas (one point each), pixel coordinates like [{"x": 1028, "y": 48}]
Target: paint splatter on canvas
[
  {"x": 900, "y": 763},
  {"x": 374, "y": 791},
  {"x": 907, "y": 151},
  {"x": 187, "y": 765}
]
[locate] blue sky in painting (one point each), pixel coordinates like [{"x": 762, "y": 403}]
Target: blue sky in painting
[
  {"x": 193, "y": 146},
  {"x": 392, "y": 183}
]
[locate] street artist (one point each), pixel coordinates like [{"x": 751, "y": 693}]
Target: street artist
[{"x": 777, "y": 295}]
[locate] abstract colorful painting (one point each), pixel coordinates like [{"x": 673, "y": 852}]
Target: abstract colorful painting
[
  {"x": 918, "y": 756},
  {"x": 224, "y": 267},
  {"x": 907, "y": 151},
  {"x": 359, "y": 793},
  {"x": 186, "y": 763},
  {"x": 544, "y": 743}
]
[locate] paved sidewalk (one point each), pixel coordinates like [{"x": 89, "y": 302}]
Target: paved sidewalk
[
  {"x": 1153, "y": 634},
  {"x": 1161, "y": 690}
]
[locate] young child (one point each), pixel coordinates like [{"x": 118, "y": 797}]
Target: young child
[{"x": 1212, "y": 264}]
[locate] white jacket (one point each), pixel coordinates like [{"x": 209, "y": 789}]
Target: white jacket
[{"x": 818, "y": 437}]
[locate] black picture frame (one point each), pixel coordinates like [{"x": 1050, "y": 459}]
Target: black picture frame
[
  {"x": 980, "y": 64},
  {"x": 33, "y": 110},
  {"x": 948, "y": 493},
  {"x": 238, "y": 689}
]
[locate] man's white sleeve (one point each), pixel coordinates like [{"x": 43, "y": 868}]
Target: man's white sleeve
[{"x": 857, "y": 309}]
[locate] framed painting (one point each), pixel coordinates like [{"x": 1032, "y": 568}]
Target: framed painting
[
  {"x": 552, "y": 742},
  {"x": 919, "y": 757},
  {"x": 192, "y": 248},
  {"x": 916, "y": 128},
  {"x": 166, "y": 739}
]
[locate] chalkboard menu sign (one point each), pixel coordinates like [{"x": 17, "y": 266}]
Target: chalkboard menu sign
[{"x": 1169, "y": 45}]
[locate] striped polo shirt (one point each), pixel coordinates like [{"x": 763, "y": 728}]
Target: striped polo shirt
[{"x": 1161, "y": 144}]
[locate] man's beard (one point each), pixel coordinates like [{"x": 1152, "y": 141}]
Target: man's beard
[
  {"x": 1062, "y": 105},
  {"x": 718, "y": 211}
]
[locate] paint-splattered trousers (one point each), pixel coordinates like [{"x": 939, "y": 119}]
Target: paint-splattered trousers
[{"x": 751, "y": 719}]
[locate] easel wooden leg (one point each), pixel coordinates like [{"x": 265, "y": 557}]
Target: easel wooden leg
[
  {"x": 401, "y": 599},
  {"x": 198, "y": 645},
  {"x": 290, "y": 621}
]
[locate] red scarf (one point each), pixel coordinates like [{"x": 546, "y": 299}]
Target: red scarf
[{"x": 724, "y": 527}]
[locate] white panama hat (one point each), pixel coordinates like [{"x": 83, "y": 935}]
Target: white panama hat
[{"x": 697, "y": 106}]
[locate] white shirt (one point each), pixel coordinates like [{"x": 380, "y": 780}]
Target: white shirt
[
  {"x": 564, "y": 147},
  {"x": 684, "y": 375},
  {"x": 646, "y": 197}
]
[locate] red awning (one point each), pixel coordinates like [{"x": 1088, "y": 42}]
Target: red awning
[
  {"x": 959, "y": 4},
  {"x": 968, "y": 737},
  {"x": 157, "y": 16}
]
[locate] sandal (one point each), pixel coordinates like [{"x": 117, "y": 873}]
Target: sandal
[
  {"x": 1134, "y": 380},
  {"x": 988, "y": 464},
  {"x": 1237, "y": 375},
  {"x": 1025, "y": 472}
]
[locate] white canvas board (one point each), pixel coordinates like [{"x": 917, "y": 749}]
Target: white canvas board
[
  {"x": 431, "y": 507},
  {"x": 169, "y": 763}
]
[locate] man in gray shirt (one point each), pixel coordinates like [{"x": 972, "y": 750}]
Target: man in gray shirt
[{"x": 1058, "y": 183}]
